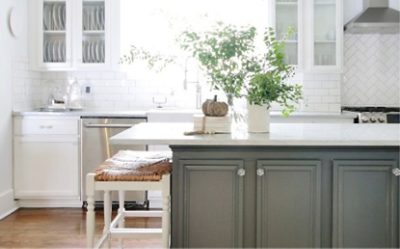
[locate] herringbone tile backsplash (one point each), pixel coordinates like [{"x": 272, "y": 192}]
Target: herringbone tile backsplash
[{"x": 371, "y": 70}]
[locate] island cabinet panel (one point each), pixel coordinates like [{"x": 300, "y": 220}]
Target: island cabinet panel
[
  {"x": 288, "y": 203},
  {"x": 365, "y": 204},
  {"x": 287, "y": 197},
  {"x": 212, "y": 203}
]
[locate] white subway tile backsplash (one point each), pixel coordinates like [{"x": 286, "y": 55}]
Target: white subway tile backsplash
[
  {"x": 331, "y": 84},
  {"x": 312, "y": 84},
  {"x": 331, "y": 99},
  {"x": 314, "y": 99},
  {"x": 334, "y": 107},
  {"x": 122, "y": 91},
  {"x": 371, "y": 70},
  {"x": 335, "y": 91}
]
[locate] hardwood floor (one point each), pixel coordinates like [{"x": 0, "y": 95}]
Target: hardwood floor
[{"x": 62, "y": 228}]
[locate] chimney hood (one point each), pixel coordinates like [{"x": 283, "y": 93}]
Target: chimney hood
[{"x": 376, "y": 18}]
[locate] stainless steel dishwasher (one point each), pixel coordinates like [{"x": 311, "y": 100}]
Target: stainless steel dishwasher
[{"x": 96, "y": 147}]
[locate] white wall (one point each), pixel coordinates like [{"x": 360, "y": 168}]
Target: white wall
[
  {"x": 394, "y": 4},
  {"x": 352, "y": 8},
  {"x": 6, "y": 44}
]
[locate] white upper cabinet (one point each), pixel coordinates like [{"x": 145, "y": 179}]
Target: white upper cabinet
[
  {"x": 93, "y": 34},
  {"x": 54, "y": 36},
  {"x": 286, "y": 14},
  {"x": 74, "y": 34},
  {"x": 316, "y": 44},
  {"x": 327, "y": 35}
]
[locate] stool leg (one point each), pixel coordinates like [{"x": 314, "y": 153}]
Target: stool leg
[
  {"x": 121, "y": 209},
  {"x": 90, "y": 215},
  {"x": 107, "y": 214},
  {"x": 121, "y": 198},
  {"x": 165, "y": 222}
]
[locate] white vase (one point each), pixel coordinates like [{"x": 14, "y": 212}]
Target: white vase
[{"x": 258, "y": 118}]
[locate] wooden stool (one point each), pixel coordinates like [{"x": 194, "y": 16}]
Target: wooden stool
[{"x": 121, "y": 176}]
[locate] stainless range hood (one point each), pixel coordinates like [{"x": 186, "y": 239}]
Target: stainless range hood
[{"x": 376, "y": 18}]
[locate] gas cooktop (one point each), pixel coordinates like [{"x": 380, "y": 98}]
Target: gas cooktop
[{"x": 375, "y": 114}]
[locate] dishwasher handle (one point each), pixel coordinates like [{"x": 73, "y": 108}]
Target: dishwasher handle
[{"x": 90, "y": 125}]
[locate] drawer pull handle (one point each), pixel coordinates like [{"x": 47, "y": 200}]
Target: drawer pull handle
[
  {"x": 46, "y": 127},
  {"x": 89, "y": 125},
  {"x": 396, "y": 172},
  {"x": 260, "y": 172},
  {"x": 241, "y": 172}
]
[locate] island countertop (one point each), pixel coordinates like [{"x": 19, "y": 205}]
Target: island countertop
[{"x": 282, "y": 134}]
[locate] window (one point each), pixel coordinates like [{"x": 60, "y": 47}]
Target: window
[{"x": 154, "y": 25}]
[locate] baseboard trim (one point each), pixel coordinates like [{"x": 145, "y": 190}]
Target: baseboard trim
[
  {"x": 49, "y": 203},
  {"x": 8, "y": 204}
]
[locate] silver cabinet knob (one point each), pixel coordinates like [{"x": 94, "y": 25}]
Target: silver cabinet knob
[
  {"x": 396, "y": 172},
  {"x": 241, "y": 172},
  {"x": 260, "y": 172}
]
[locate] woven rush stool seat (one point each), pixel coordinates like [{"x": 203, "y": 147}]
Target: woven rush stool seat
[{"x": 129, "y": 171}]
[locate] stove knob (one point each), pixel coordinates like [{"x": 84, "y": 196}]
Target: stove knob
[
  {"x": 372, "y": 119},
  {"x": 381, "y": 120},
  {"x": 364, "y": 120}
]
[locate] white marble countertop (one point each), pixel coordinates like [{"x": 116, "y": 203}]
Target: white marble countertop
[
  {"x": 287, "y": 134},
  {"x": 84, "y": 113},
  {"x": 166, "y": 111}
]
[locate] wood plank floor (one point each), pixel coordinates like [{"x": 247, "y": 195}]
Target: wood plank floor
[{"x": 62, "y": 228}]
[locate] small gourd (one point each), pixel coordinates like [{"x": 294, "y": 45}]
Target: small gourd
[{"x": 214, "y": 108}]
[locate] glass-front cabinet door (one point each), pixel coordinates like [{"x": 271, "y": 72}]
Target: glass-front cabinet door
[
  {"x": 94, "y": 33},
  {"x": 55, "y": 34},
  {"x": 326, "y": 48},
  {"x": 287, "y": 18},
  {"x": 315, "y": 44},
  {"x": 74, "y": 34}
]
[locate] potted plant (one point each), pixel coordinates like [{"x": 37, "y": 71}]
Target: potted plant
[
  {"x": 230, "y": 59},
  {"x": 269, "y": 84}
]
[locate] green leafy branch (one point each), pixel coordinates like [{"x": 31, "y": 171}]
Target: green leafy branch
[
  {"x": 156, "y": 62},
  {"x": 270, "y": 83},
  {"x": 225, "y": 55}
]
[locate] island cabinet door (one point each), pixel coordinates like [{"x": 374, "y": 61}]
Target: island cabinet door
[
  {"x": 288, "y": 203},
  {"x": 212, "y": 203},
  {"x": 365, "y": 204}
]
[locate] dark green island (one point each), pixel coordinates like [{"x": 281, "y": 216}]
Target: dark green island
[{"x": 301, "y": 185}]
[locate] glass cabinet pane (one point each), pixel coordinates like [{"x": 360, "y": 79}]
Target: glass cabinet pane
[
  {"x": 93, "y": 28},
  {"x": 324, "y": 32},
  {"x": 54, "y": 32},
  {"x": 286, "y": 18}
]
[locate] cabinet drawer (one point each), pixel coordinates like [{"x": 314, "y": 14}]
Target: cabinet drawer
[{"x": 46, "y": 125}]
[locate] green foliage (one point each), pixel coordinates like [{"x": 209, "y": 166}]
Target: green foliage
[
  {"x": 228, "y": 55},
  {"x": 225, "y": 53},
  {"x": 270, "y": 83},
  {"x": 156, "y": 62}
]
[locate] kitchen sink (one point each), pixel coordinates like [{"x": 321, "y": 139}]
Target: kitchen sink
[{"x": 48, "y": 109}]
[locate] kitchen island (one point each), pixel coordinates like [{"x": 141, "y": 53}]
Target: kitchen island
[{"x": 301, "y": 185}]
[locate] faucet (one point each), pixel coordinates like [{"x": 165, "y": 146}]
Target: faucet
[
  {"x": 197, "y": 82},
  {"x": 198, "y": 96},
  {"x": 185, "y": 80},
  {"x": 51, "y": 100}
]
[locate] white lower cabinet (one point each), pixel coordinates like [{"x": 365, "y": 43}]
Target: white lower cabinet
[{"x": 47, "y": 161}]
